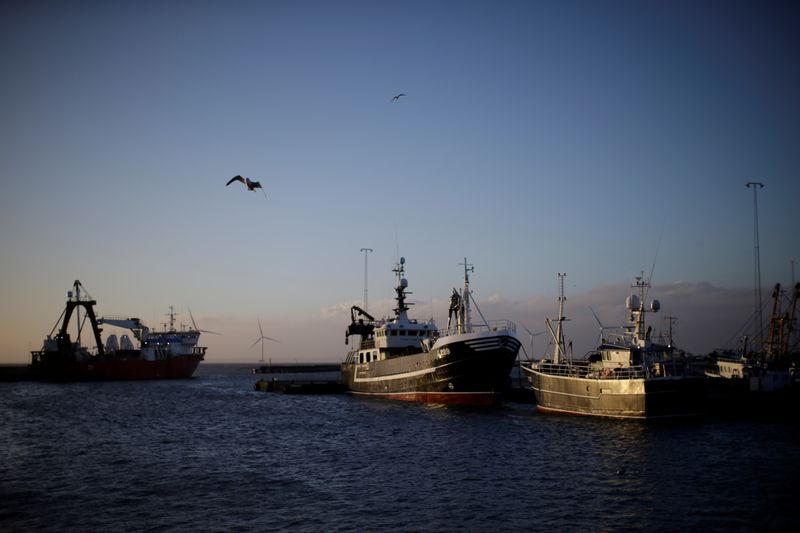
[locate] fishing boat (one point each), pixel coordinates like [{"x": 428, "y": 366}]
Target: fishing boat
[
  {"x": 167, "y": 354},
  {"x": 629, "y": 375},
  {"x": 761, "y": 377},
  {"x": 402, "y": 358}
]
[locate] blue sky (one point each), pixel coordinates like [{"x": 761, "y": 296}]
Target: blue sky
[{"x": 536, "y": 137}]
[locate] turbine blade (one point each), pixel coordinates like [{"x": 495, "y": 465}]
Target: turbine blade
[
  {"x": 596, "y": 317},
  {"x": 194, "y": 325}
]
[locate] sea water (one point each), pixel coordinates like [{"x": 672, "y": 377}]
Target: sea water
[{"x": 212, "y": 454}]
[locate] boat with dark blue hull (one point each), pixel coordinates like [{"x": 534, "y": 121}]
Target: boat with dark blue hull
[{"x": 402, "y": 358}]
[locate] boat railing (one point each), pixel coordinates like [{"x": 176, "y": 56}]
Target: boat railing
[
  {"x": 367, "y": 344},
  {"x": 491, "y": 326},
  {"x": 589, "y": 371}
]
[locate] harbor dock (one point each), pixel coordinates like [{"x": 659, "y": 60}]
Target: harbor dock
[
  {"x": 15, "y": 373},
  {"x": 300, "y": 386},
  {"x": 296, "y": 368}
]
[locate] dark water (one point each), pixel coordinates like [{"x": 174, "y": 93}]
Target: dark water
[{"x": 211, "y": 454}]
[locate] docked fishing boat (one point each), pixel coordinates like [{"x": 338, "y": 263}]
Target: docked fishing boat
[
  {"x": 166, "y": 354},
  {"x": 759, "y": 378},
  {"x": 628, "y": 376},
  {"x": 405, "y": 359}
]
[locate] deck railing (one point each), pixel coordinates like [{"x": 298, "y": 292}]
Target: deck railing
[
  {"x": 492, "y": 325},
  {"x": 587, "y": 371}
]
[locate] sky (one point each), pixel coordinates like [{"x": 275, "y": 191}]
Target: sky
[{"x": 601, "y": 139}]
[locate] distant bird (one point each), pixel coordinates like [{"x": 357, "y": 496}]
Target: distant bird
[
  {"x": 251, "y": 185},
  {"x": 397, "y": 96}
]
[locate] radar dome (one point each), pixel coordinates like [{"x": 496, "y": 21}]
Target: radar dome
[
  {"x": 402, "y": 260},
  {"x": 403, "y": 282},
  {"x": 632, "y": 302},
  {"x": 655, "y": 305}
]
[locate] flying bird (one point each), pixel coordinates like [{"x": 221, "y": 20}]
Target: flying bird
[
  {"x": 251, "y": 185},
  {"x": 397, "y": 96}
]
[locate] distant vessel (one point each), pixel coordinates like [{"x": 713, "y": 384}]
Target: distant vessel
[
  {"x": 629, "y": 376},
  {"x": 403, "y": 359},
  {"x": 746, "y": 379},
  {"x": 167, "y": 354}
]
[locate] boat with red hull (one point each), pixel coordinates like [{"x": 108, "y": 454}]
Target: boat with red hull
[{"x": 168, "y": 354}]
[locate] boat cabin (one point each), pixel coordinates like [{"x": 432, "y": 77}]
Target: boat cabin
[{"x": 393, "y": 339}]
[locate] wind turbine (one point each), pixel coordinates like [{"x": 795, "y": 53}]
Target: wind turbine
[
  {"x": 198, "y": 329},
  {"x": 602, "y": 327},
  {"x": 532, "y": 335},
  {"x": 261, "y": 339}
]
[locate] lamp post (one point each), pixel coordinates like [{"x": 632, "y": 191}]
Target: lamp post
[
  {"x": 366, "y": 251},
  {"x": 755, "y": 185}
]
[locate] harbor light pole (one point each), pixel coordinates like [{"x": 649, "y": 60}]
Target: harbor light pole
[
  {"x": 755, "y": 185},
  {"x": 366, "y": 302}
]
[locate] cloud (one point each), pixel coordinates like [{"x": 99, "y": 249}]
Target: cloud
[
  {"x": 338, "y": 310},
  {"x": 705, "y": 316}
]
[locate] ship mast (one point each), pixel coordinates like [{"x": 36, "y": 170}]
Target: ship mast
[
  {"x": 74, "y": 303},
  {"x": 560, "y": 326},
  {"x": 171, "y": 316},
  {"x": 466, "y": 322},
  {"x": 558, "y": 335},
  {"x": 402, "y": 284},
  {"x": 776, "y": 323},
  {"x": 636, "y": 305},
  {"x": 638, "y": 311},
  {"x": 78, "y": 309},
  {"x": 790, "y": 320}
]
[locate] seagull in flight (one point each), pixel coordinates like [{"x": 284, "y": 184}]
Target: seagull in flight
[
  {"x": 251, "y": 185},
  {"x": 397, "y": 96}
]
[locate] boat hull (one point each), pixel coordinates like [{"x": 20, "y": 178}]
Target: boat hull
[
  {"x": 638, "y": 398},
  {"x": 52, "y": 367},
  {"x": 472, "y": 370}
]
